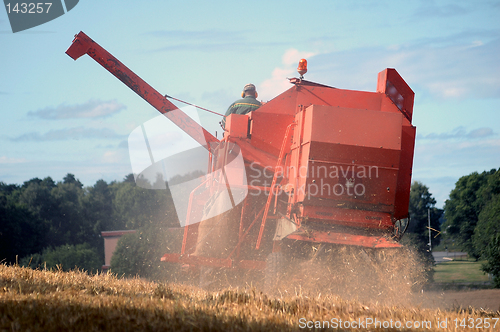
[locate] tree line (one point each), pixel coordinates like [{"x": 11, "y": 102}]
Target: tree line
[{"x": 60, "y": 223}]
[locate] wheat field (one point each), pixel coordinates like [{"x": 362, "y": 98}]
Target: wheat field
[{"x": 43, "y": 300}]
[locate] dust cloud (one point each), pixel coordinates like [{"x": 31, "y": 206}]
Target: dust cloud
[{"x": 371, "y": 276}]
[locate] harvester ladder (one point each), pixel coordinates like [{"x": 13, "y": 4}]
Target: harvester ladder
[{"x": 273, "y": 184}]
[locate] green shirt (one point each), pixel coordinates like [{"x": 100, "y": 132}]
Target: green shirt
[{"x": 242, "y": 106}]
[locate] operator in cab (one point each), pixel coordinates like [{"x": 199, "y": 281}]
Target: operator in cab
[{"x": 247, "y": 104}]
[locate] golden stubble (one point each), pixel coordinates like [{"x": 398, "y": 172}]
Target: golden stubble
[{"x": 42, "y": 300}]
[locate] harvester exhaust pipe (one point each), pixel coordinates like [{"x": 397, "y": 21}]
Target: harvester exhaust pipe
[{"x": 83, "y": 44}]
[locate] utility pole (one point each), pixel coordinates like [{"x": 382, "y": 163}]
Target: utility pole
[{"x": 429, "y": 222}]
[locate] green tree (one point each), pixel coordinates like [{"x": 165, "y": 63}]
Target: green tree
[
  {"x": 97, "y": 210},
  {"x": 486, "y": 238},
  {"x": 492, "y": 253},
  {"x": 67, "y": 257},
  {"x": 129, "y": 178},
  {"x": 41, "y": 215},
  {"x": 69, "y": 213},
  {"x": 21, "y": 231},
  {"x": 36, "y": 195},
  {"x": 421, "y": 203},
  {"x": 135, "y": 207},
  {"x": 152, "y": 214},
  {"x": 67, "y": 224},
  {"x": 139, "y": 254},
  {"x": 417, "y": 236},
  {"x": 470, "y": 195}
]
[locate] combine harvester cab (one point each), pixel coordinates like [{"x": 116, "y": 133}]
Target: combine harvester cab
[{"x": 319, "y": 165}]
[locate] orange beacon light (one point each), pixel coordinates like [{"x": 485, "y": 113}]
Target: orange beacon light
[{"x": 302, "y": 69}]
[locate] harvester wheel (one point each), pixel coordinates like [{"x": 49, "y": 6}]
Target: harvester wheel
[
  {"x": 273, "y": 271},
  {"x": 400, "y": 228}
]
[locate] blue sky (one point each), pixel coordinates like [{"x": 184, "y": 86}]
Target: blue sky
[{"x": 60, "y": 116}]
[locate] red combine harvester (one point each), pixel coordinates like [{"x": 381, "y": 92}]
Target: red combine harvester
[{"x": 320, "y": 165}]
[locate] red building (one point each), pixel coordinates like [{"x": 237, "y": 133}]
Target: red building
[{"x": 110, "y": 241}]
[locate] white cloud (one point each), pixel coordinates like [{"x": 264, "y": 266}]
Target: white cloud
[
  {"x": 292, "y": 57},
  {"x": 114, "y": 157},
  {"x": 481, "y": 132},
  {"x": 8, "y": 160},
  {"x": 278, "y": 81},
  {"x": 90, "y": 109},
  {"x": 67, "y": 134},
  {"x": 460, "y": 133}
]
